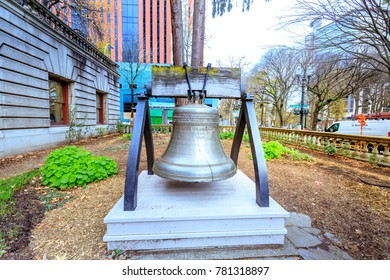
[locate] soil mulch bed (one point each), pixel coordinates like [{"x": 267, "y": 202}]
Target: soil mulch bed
[
  {"x": 329, "y": 190},
  {"x": 26, "y": 214}
]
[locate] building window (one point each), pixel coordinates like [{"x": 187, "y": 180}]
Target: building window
[
  {"x": 58, "y": 98},
  {"x": 99, "y": 108}
]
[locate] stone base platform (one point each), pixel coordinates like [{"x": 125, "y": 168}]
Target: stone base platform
[{"x": 172, "y": 214}]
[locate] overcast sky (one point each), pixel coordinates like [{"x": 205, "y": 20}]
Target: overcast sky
[{"x": 247, "y": 34}]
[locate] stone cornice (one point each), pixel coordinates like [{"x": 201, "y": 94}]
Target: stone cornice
[{"x": 56, "y": 24}]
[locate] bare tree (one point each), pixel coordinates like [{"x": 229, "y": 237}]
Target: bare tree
[
  {"x": 222, "y": 6},
  {"x": 363, "y": 79},
  {"x": 177, "y": 32},
  {"x": 332, "y": 80},
  {"x": 187, "y": 30},
  {"x": 198, "y": 33},
  {"x": 198, "y": 25},
  {"x": 177, "y": 39},
  {"x": 87, "y": 16},
  {"x": 358, "y": 28},
  {"x": 261, "y": 100},
  {"x": 374, "y": 97},
  {"x": 275, "y": 74},
  {"x": 132, "y": 68},
  {"x": 227, "y": 107}
]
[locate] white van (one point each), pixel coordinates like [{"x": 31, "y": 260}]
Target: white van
[{"x": 379, "y": 127}]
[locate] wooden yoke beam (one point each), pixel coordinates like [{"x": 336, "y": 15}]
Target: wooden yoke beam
[{"x": 170, "y": 81}]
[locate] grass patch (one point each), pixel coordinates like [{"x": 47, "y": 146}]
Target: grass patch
[
  {"x": 3, "y": 244},
  {"x": 10, "y": 185},
  {"x": 52, "y": 198},
  {"x": 122, "y": 147},
  {"x": 230, "y": 135}
]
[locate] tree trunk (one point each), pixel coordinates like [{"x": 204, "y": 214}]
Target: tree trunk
[
  {"x": 177, "y": 40},
  {"x": 280, "y": 115},
  {"x": 177, "y": 33},
  {"x": 198, "y": 33},
  {"x": 132, "y": 102},
  {"x": 314, "y": 118},
  {"x": 357, "y": 99}
]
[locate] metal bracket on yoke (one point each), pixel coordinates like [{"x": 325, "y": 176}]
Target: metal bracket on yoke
[
  {"x": 142, "y": 128},
  {"x": 196, "y": 96}
]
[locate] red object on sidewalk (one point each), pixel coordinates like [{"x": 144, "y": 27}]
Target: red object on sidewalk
[{"x": 362, "y": 120}]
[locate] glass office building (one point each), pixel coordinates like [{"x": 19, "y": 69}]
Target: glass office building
[{"x": 145, "y": 31}]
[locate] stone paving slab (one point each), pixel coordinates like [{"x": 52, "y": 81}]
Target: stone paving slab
[
  {"x": 299, "y": 220},
  {"x": 301, "y": 238},
  {"x": 332, "y": 253},
  {"x": 313, "y": 231}
]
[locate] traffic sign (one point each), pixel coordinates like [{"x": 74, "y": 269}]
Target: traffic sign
[{"x": 297, "y": 106}]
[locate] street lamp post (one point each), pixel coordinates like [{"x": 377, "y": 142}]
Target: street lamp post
[{"x": 303, "y": 80}]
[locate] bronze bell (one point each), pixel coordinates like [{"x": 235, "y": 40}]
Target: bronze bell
[{"x": 195, "y": 152}]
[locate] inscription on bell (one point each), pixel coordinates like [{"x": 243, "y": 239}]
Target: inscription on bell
[
  {"x": 196, "y": 118},
  {"x": 202, "y": 132}
]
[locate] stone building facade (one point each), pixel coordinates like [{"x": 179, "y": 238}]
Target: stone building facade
[{"x": 51, "y": 78}]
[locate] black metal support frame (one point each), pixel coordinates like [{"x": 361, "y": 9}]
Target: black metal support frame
[
  {"x": 142, "y": 128},
  {"x": 247, "y": 117}
]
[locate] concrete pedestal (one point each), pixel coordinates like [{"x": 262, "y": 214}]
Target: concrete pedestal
[{"x": 172, "y": 214}]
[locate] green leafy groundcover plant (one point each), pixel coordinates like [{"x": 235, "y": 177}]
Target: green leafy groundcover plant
[
  {"x": 274, "y": 149},
  {"x": 73, "y": 166}
]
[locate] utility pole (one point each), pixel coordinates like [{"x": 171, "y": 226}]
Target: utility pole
[{"x": 303, "y": 80}]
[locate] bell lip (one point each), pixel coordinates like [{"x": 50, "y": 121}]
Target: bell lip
[{"x": 193, "y": 179}]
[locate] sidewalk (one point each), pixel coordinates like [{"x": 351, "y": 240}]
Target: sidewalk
[{"x": 303, "y": 242}]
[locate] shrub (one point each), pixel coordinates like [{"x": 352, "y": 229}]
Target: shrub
[
  {"x": 296, "y": 155},
  {"x": 76, "y": 129},
  {"x": 330, "y": 148},
  {"x": 374, "y": 160},
  {"x": 312, "y": 144},
  {"x": 345, "y": 148},
  {"x": 127, "y": 136},
  {"x": 72, "y": 166},
  {"x": 120, "y": 127},
  {"x": 101, "y": 131},
  {"x": 226, "y": 135}
]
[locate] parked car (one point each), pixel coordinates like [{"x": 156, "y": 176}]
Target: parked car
[
  {"x": 373, "y": 127},
  {"x": 379, "y": 128}
]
